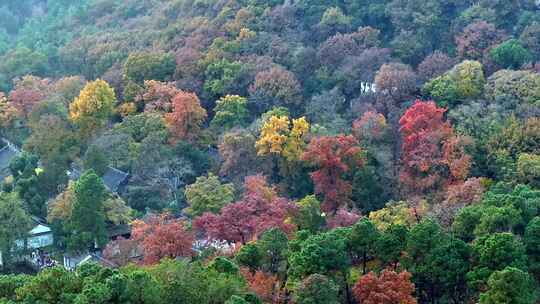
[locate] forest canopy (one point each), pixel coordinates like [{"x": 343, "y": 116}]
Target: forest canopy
[{"x": 249, "y": 151}]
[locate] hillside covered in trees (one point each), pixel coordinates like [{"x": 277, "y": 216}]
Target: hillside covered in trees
[{"x": 270, "y": 151}]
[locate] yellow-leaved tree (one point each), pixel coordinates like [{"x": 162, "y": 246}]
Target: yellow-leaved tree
[
  {"x": 93, "y": 107},
  {"x": 281, "y": 137},
  {"x": 397, "y": 213}
]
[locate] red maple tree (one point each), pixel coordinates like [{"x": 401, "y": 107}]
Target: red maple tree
[
  {"x": 432, "y": 155},
  {"x": 389, "y": 288},
  {"x": 334, "y": 156},
  {"x": 162, "y": 237},
  {"x": 259, "y": 210},
  {"x": 28, "y": 92}
]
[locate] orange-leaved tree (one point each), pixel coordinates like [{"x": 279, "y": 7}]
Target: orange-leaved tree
[
  {"x": 433, "y": 156},
  {"x": 388, "y": 288},
  {"x": 186, "y": 118},
  {"x": 162, "y": 237},
  {"x": 334, "y": 157}
]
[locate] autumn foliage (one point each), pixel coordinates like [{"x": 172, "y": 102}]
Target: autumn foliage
[
  {"x": 457, "y": 197},
  {"x": 93, "y": 107},
  {"x": 158, "y": 96},
  {"x": 280, "y": 136},
  {"x": 333, "y": 156},
  {"x": 28, "y": 92},
  {"x": 396, "y": 79},
  {"x": 162, "y": 237},
  {"x": 259, "y": 210},
  {"x": 276, "y": 86},
  {"x": 343, "y": 218},
  {"x": 270, "y": 151},
  {"x": 187, "y": 116},
  {"x": 476, "y": 39},
  {"x": 8, "y": 113},
  {"x": 388, "y": 288},
  {"x": 263, "y": 284},
  {"x": 371, "y": 126},
  {"x": 432, "y": 155}
]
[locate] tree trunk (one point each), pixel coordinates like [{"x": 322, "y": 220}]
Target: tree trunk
[
  {"x": 364, "y": 258},
  {"x": 347, "y": 291},
  {"x": 285, "y": 278}
]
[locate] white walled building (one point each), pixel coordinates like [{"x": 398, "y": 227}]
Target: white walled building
[{"x": 39, "y": 237}]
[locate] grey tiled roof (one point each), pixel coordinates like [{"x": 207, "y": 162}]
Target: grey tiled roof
[
  {"x": 80, "y": 259},
  {"x": 113, "y": 178},
  {"x": 118, "y": 230}
]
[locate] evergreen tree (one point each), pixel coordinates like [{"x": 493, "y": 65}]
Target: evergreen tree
[{"x": 87, "y": 223}]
